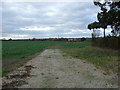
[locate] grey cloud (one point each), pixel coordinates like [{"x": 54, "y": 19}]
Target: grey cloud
[{"x": 64, "y": 17}]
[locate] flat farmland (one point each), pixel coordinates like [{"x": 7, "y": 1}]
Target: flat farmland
[
  {"x": 16, "y": 53},
  {"x": 55, "y": 62},
  {"x": 22, "y": 49}
]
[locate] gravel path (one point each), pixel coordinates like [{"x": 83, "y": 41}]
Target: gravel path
[{"x": 52, "y": 69}]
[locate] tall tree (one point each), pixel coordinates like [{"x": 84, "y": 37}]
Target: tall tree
[
  {"x": 102, "y": 16},
  {"x": 109, "y": 15}
]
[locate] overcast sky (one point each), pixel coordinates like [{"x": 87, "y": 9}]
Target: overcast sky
[{"x": 47, "y": 19}]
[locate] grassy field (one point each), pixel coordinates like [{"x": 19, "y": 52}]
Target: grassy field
[
  {"x": 23, "y": 49},
  {"x": 16, "y": 53},
  {"x": 104, "y": 59}
]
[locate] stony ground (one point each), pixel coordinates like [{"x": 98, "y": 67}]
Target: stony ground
[{"x": 53, "y": 69}]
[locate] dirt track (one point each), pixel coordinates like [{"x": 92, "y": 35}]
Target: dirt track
[{"x": 52, "y": 69}]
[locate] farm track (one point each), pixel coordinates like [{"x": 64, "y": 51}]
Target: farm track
[{"x": 52, "y": 69}]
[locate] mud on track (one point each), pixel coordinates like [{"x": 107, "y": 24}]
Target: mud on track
[{"x": 53, "y": 69}]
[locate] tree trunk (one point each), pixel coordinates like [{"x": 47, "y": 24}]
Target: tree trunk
[{"x": 104, "y": 32}]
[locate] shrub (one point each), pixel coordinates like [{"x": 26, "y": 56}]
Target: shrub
[
  {"x": 108, "y": 42},
  {"x": 83, "y": 39}
]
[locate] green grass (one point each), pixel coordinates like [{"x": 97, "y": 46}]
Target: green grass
[
  {"x": 105, "y": 59},
  {"x": 15, "y": 53},
  {"x": 23, "y": 49},
  {"x": 5, "y": 72}
]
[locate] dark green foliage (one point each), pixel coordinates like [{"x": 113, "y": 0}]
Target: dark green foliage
[
  {"x": 94, "y": 25},
  {"x": 108, "y": 17},
  {"x": 115, "y": 14},
  {"x": 83, "y": 39}
]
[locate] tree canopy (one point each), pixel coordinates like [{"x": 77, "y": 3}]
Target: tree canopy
[{"x": 109, "y": 16}]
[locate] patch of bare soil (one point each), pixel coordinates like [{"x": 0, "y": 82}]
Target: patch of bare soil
[
  {"x": 17, "y": 77},
  {"x": 53, "y": 69}
]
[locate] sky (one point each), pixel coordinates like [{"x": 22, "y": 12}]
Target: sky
[{"x": 26, "y": 20}]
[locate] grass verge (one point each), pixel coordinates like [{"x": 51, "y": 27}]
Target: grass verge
[{"x": 104, "y": 59}]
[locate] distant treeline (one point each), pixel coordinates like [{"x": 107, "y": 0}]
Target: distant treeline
[{"x": 50, "y": 39}]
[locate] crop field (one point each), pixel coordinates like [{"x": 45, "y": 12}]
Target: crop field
[
  {"x": 22, "y": 49},
  {"x": 16, "y": 53}
]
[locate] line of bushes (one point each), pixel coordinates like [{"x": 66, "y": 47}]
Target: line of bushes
[{"x": 108, "y": 42}]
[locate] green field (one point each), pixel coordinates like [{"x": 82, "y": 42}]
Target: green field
[
  {"x": 16, "y": 53},
  {"x": 23, "y": 49}
]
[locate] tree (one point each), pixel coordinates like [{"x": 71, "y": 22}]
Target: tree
[
  {"x": 33, "y": 39},
  {"x": 83, "y": 39},
  {"x": 114, "y": 14},
  {"x": 109, "y": 16},
  {"x": 10, "y": 39},
  {"x": 93, "y": 26},
  {"x": 102, "y": 16}
]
